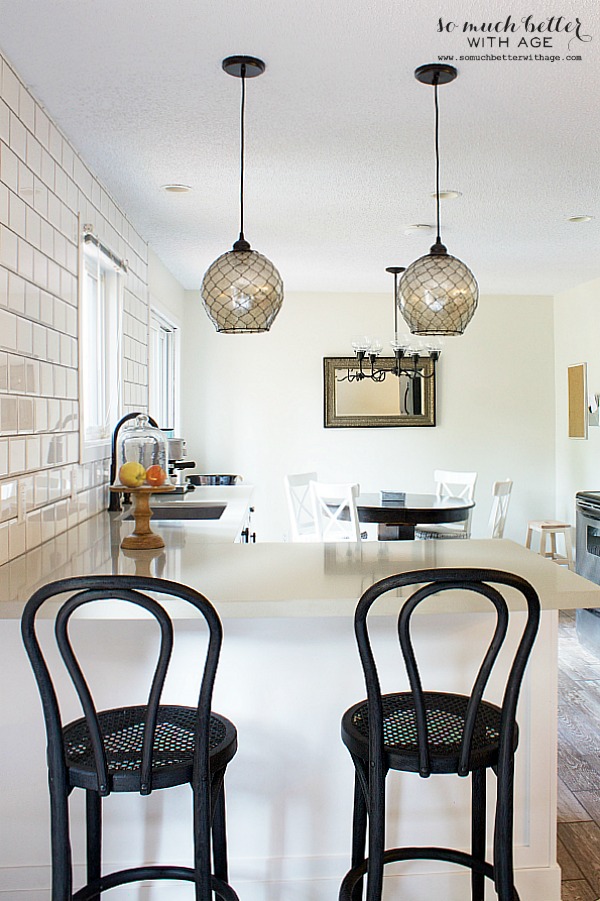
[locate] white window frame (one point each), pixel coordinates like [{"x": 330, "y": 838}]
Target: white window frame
[
  {"x": 163, "y": 369},
  {"x": 100, "y": 369}
]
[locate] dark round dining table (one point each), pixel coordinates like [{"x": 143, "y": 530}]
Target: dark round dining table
[{"x": 397, "y": 518}]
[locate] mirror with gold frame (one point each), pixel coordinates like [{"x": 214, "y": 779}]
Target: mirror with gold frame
[{"x": 363, "y": 403}]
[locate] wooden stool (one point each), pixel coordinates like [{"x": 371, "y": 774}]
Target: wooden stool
[{"x": 549, "y": 527}]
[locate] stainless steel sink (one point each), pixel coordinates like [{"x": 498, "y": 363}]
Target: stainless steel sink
[{"x": 185, "y": 511}]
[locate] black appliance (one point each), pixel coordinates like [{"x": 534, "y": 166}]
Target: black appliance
[{"x": 587, "y": 563}]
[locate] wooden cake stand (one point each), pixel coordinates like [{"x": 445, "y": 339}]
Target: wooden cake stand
[{"x": 142, "y": 537}]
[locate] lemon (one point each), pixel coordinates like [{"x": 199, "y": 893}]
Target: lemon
[{"x": 132, "y": 474}]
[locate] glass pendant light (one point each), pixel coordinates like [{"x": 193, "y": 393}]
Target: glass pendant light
[
  {"x": 242, "y": 290},
  {"x": 437, "y": 294}
]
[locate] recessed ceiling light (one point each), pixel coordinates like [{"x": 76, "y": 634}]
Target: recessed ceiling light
[
  {"x": 580, "y": 218},
  {"x": 448, "y": 195},
  {"x": 176, "y": 189},
  {"x": 418, "y": 229}
]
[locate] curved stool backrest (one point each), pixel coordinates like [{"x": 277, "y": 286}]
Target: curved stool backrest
[
  {"x": 431, "y": 582},
  {"x": 134, "y": 590}
]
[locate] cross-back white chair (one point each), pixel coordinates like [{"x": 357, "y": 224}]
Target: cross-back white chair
[
  {"x": 449, "y": 483},
  {"x": 300, "y": 506},
  {"x": 331, "y": 502},
  {"x": 501, "y": 499}
]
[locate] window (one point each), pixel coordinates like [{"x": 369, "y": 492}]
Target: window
[
  {"x": 100, "y": 343},
  {"x": 163, "y": 368}
]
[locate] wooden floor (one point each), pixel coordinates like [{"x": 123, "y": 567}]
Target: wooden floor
[{"x": 578, "y": 766}]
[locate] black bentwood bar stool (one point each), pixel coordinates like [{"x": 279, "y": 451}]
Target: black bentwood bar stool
[
  {"x": 133, "y": 749},
  {"x": 429, "y": 732}
]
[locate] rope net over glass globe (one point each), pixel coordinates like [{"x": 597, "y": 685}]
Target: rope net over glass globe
[
  {"x": 242, "y": 292},
  {"x": 437, "y": 295}
]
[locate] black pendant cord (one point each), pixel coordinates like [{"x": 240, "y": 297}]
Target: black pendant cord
[
  {"x": 242, "y": 151},
  {"x": 241, "y": 243},
  {"x": 437, "y": 160},
  {"x": 435, "y": 74},
  {"x": 395, "y": 304}
]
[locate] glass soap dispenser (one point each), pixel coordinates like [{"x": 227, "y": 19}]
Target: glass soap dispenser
[{"x": 141, "y": 456}]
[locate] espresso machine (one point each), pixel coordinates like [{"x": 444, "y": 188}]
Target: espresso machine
[{"x": 178, "y": 464}]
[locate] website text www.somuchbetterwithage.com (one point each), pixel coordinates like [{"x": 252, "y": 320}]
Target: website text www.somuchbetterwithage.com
[{"x": 506, "y": 57}]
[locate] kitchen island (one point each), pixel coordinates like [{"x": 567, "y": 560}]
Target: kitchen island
[{"x": 288, "y": 670}]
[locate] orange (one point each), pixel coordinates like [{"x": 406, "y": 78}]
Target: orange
[{"x": 156, "y": 476}]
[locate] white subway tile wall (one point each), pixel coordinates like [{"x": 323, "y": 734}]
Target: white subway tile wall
[{"x": 44, "y": 187}]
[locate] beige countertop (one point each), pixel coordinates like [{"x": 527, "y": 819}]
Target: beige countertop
[{"x": 273, "y": 580}]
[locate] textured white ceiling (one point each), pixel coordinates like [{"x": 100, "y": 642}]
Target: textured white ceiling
[{"x": 339, "y": 133}]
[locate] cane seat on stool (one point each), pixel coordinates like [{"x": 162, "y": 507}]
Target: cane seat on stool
[
  {"x": 133, "y": 749},
  {"x": 429, "y": 732}
]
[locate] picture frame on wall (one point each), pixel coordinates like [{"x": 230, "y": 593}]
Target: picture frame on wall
[{"x": 578, "y": 400}]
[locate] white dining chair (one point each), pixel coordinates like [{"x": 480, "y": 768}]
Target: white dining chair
[
  {"x": 300, "y": 507},
  {"x": 501, "y": 499},
  {"x": 331, "y": 502},
  {"x": 451, "y": 484}
]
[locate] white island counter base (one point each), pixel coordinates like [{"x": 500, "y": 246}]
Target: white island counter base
[{"x": 289, "y": 669}]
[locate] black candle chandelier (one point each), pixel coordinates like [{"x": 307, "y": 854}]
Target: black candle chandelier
[
  {"x": 408, "y": 351},
  {"x": 242, "y": 290},
  {"x": 438, "y": 294}
]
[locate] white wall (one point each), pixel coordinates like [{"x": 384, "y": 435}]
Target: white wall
[
  {"x": 253, "y": 404},
  {"x": 577, "y": 329},
  {"x": 165, "y": 291},
  {"x": 167, "y": 297}
]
